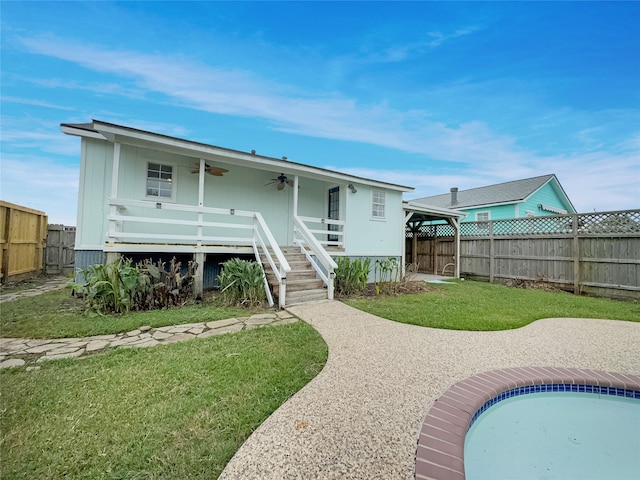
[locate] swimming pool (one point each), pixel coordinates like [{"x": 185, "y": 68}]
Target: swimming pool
[
  {"x": 556, "y": 434},
  {"x": 440, "y": 446}
]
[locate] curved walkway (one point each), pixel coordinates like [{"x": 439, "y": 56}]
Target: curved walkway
[{"x": 360, "y": 417}]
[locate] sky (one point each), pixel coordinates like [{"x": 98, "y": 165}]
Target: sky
[{"x": 431, "y": 95}]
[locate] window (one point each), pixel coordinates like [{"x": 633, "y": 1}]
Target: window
[
  {"x": 377, "y": 204},
  {"x": 483, "y": 220},
  {"x": 159, "y": 180}
]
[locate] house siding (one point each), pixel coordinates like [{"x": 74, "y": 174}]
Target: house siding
[
  {"x": 372, "y": 237},
  {"x": 497, "y": 212},
  {"x": 97, "y": 159},
  {"x": 546, "y": 195}
]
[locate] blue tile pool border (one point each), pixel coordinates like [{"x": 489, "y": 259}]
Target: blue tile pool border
[{"x": 556, "y": 387}]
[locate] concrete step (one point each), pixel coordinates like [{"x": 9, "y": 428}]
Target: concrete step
[{"x": 303, "y": 296}]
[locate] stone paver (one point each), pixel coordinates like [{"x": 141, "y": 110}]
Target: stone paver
[
  {"x": 15, "y": 352},
  {"x": 55, "y": 283}
]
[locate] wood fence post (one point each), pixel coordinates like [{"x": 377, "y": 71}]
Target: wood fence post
[
  {"x": 492, "y": 263},
  {"x": 576, "y": 254},
  {"x": 6, "y": 245}
]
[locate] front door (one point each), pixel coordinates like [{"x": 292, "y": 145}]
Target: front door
[{"x": 333, "y": 212}]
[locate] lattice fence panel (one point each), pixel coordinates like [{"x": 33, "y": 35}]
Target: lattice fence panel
[
  {"x": 533, "y": 225},
  {"x": 609, "y": 222}
]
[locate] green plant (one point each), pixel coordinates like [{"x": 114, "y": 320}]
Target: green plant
[
  {"x": 167, "y": 286},
  {"x": 118, "y": 287},
  {"x": 242, "y": 283},
  {"x": 387, "y": 275},
  {"x": 351, "y": 275},
  {"x": 110, "y": 288}
]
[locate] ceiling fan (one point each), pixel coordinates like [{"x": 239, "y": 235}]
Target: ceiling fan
[
  {"x": 282, "y": 180},
  {"x": 216, "y": 171}
]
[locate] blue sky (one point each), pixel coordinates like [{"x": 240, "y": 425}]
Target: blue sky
[{"x": 426, "y": 94}]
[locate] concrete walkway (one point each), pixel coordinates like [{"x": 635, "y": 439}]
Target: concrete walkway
[
  {"x": 53, "y": 283},
  {"x": 360, "y": 417}
]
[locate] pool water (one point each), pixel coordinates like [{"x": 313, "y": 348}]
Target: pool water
[{"x": 556, "y": 435}]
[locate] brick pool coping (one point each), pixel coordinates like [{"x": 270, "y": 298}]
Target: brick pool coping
[{"x": 440, "y": 450}]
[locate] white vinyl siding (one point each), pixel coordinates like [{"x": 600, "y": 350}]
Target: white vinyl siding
[
  {"x": 378, "y": 204},
  {"x": 160, "y": 181}
]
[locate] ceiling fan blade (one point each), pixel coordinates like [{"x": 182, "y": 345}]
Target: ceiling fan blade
[
  {"x": 197, "y": 170},
  {"x": 289, "y": 182},
  {"x": 216, "y": 170}
]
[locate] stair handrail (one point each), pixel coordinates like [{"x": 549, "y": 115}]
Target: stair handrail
[
  {"x": 281, "y": 272},
  {"x": 309, "y": 241},
  {"x": 267, "y": 290}
]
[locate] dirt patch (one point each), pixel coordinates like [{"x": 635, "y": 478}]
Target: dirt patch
[
  {"x": 532, "y": 285},
  {"x": 403, "y": 288}
]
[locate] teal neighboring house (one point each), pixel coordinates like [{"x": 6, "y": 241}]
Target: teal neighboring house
[{"x": 529, "y": 197}]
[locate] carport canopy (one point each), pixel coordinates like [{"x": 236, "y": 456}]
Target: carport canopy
[{"x": 418, "y": 214}]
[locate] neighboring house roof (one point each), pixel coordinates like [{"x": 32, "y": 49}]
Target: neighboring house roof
[
  {"x": 501, "y": 193},
  {"x": 142, "y": 138}
]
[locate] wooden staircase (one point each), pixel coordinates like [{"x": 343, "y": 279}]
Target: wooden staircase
[{"x": 302, "y": 284}]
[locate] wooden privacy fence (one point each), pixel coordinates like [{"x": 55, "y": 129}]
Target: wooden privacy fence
[
  {"x": 60, "y": 253},
  {"x": 594, "y": 253},
  {"x": 24, "y": 232}
]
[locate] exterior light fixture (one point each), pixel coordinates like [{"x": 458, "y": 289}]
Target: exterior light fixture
[{"x": 352, "y": 188}]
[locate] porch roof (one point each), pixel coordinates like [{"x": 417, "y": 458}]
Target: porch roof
[
  {"x": 141, "y": 138},
  {"x": 420, "y": 212}
]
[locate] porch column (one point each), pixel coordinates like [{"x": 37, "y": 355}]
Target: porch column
[
  {"x": 198, "y": 281},
  {"x": 403, "y": 244},
  {"x": 455, "y": 222},
  {"x": 295, "y": 196},
  {"x": 115, "y": 172},
  {"x": 200, "y": 201}
]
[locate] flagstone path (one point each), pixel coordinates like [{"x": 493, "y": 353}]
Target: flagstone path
[{"x": 16, "y": 352}]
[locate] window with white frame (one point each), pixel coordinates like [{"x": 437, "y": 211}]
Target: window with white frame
[
  {"x": 377, "y": 204},
  {"x": 159, "y": 180},
  {"x": 483, "y": 220}
]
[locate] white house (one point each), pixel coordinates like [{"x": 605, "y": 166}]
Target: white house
[{"x": 152, "y": 195}]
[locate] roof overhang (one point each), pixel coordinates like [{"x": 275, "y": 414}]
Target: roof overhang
[
  {"x": 427, "y": 213},
  {"x": 140, "y": 138}
]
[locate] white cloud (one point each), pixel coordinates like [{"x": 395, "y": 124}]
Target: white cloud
[
  {"x": 487, "y": 157},
  {"x": 42, "y": 184}
]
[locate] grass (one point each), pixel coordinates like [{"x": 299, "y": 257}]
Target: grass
[
  {"x": 174, "y": 411},
  {"x": 484, "y": 306},
  {"x": 57, "y": 315}
]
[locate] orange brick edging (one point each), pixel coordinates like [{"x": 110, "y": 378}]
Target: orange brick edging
[{"x": 440, "y": 450}]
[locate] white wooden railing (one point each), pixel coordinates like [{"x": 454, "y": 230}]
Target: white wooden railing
[
  {"x": 321, "y": 261},
  {"x": 321, "y": 229},
  {"x": 258, "y": 236}
]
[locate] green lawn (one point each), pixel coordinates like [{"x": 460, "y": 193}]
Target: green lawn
[
  {"x": 173, "y": 411},
  {"x": 484, "y": 306},
  {"x": 57, "y": 315}
]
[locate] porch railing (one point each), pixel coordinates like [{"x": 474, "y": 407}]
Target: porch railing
[
  {"x": 193, "y": 232},
  {"x": 327, "y": 232},
  {"x": 321, "y": 261}
]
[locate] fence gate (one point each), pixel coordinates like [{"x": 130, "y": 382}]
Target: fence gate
[{"x": 60, "y": 254}]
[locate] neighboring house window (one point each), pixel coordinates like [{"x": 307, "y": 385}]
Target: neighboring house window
[
  {"x": 483, "y": 218},
  {"x": 159, "y": 180},
  {"x": 377, "y": 204}
]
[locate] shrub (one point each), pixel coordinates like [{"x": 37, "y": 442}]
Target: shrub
[
  {"x": 351, "y": 275},
  {"x": 167, "y": 287},
  {"x": 387, "y": 275},
  {"x": 118, "y": 287},
  {"x": 242, "y": 283},
  {"x": 109, "y": 288}
]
